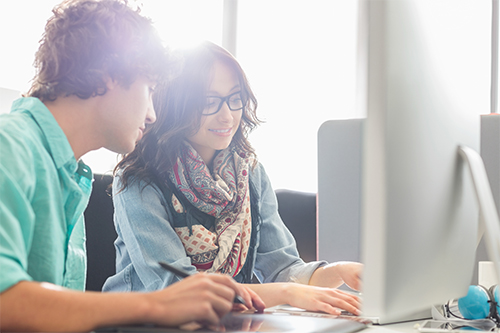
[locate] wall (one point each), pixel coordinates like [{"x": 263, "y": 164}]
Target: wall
[{"x": 7, "y": 96}]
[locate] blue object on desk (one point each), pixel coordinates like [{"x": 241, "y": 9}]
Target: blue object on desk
[{"x": 479, "y": 303}]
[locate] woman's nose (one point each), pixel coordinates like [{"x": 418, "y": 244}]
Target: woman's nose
[
  {"x": 225, "y": 114},
  {"x": 151, "y": 114}
]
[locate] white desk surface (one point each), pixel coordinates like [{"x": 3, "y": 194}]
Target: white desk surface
[{"x": 408, "y": 327}]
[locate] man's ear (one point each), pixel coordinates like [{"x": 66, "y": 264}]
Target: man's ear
[{"x": 111, "y": 83}]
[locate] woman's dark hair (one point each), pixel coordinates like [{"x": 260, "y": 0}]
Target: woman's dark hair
[
  {"x": 179, "y": 105},
  {"x": 87, "y": 41}
]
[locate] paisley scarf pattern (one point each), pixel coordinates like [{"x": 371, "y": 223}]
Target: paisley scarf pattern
[{"x": 223, "y": 194}]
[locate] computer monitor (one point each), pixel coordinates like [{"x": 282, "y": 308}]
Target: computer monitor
[{"x": 424, "y": 80}]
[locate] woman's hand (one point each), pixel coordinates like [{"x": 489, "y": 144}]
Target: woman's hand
[
  {"x": 311, "y": 298},
  {"x": 327, "y": 300},
  {"x": 350, "y": 273},
  {"x": 251, "y": 299},
  {"x": 334, "y": 274}
]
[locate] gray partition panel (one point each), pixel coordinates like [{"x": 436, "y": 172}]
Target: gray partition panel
[{"x": 339, "y": 189}]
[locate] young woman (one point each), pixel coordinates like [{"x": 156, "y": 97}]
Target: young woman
[{"x": 192, "y": 194}]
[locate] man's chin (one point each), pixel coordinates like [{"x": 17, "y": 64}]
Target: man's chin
[{"x": 122, "y": 150}]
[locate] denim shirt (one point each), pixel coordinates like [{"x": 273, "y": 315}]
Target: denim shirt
[{"x": 145, "y": 236}]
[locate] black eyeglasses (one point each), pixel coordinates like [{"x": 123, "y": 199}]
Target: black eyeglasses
[
  {"x": 485, "y": 322},
  {"x": 214, "y": 103}
]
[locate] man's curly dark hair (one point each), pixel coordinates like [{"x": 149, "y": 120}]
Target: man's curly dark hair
[{"x": 87, "y": 42}]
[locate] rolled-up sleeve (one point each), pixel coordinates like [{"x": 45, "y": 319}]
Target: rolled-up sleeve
[
  {"x": 277, "y": 257},
  {"x": 145, "y": 237}
]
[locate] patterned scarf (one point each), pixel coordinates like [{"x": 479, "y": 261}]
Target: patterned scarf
[{"x": 224, "y": 246}]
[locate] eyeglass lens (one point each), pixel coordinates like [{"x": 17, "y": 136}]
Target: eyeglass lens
[{"x": 214, "y": 103}]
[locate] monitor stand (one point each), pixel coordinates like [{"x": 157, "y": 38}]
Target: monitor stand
[{"x": 489, "y": 223}]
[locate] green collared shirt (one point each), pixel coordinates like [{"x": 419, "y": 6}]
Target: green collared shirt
[{"x": 43, "y": 193}]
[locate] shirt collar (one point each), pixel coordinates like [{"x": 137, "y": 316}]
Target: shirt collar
[{"x": 58, "y": 144}]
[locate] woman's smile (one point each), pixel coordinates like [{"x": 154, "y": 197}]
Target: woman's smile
[{"x": 222, "y": 131}]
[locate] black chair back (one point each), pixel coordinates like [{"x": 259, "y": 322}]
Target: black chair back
[
  {"x": 101, "y": 234},
  {"x": 298, "y": 211}
]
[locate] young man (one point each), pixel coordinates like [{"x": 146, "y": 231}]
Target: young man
[{"x": 97, "y": 66}]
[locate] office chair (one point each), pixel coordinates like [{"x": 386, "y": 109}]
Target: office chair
[
  {"x": 101, "y": 234},
  {"x": 298, "y": 211}
]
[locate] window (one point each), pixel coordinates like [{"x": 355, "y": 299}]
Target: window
[{"x": 299, "y": 56}]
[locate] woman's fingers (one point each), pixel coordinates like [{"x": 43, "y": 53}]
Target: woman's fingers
[
  {"x": 257, "y": 302},
  {"x": 342, "y": 301},
  {"x": 252, "y": 300},
  {"x": 324, "y": 299}
]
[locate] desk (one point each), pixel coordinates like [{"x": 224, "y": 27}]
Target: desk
[
  {"x": 281, "y": 323},
  {"x": 387, "y": 328}
]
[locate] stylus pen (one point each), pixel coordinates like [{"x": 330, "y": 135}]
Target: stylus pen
[{"x": 183, "y": 274}]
